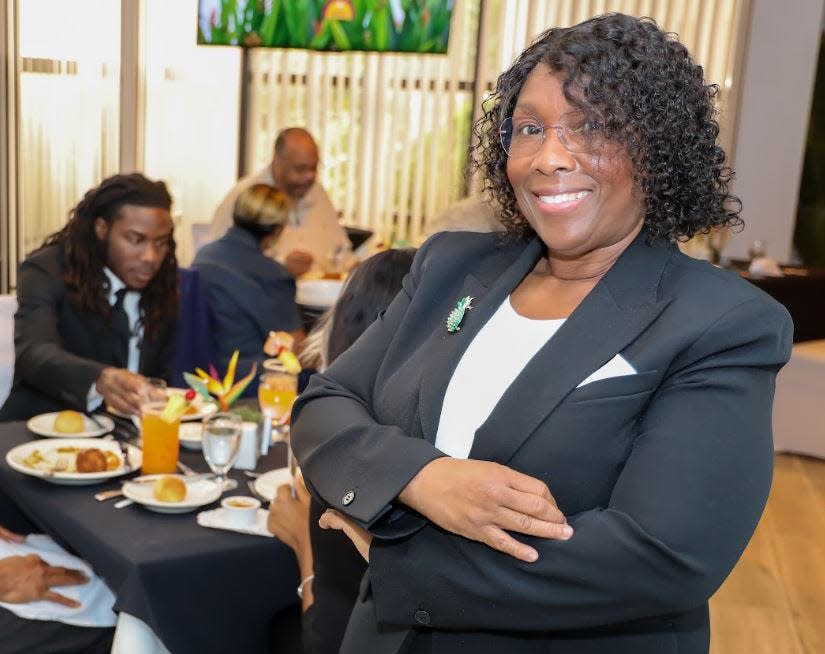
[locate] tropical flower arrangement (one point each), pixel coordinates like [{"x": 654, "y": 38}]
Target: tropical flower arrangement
[{"x": 225, "y": 391}]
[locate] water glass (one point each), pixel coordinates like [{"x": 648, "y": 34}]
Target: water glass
[{"x": 220, "y": 440}]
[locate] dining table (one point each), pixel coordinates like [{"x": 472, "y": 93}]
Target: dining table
[{"x": 200, "y": 590}]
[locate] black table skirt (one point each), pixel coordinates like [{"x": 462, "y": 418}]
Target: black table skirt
[{"x": 200, "y": 590}]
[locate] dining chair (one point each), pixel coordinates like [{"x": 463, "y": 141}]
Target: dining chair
[
  {"x": 193, "y": 341},
  {"x": 8, "y": 305}
]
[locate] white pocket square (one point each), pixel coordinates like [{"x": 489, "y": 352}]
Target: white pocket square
[{"x": 616, "y": 367}]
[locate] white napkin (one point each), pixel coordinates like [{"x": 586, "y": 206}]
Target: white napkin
[
  {"x": 216, "y": 519},
  {"x": 95, "y": 597},
  {"x": 618, "y": 366},
  {"x": 766, "y": 267}
]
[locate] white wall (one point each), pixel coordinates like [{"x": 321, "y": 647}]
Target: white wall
[{"x": 779, "y": 69}]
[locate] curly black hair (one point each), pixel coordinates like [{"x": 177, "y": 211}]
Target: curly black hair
[
  {"x": 85, "y": 255},
  {"x": 648, "y": 95}
]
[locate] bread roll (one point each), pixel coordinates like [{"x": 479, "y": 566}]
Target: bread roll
[
  {"x": 169, "y": 489},
  {"x": 69, "y": 422}
]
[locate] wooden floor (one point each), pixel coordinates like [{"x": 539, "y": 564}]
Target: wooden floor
[{"x": 774, "y": 601}]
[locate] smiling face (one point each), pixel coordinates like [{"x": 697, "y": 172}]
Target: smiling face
[
  {"x": 580, "y": 204},
  {"x": 137, "y": 242}
]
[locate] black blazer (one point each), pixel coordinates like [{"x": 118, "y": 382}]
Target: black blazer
[
  {"x": 662, "y": 474},
  {"x": 59, "y": 350}
]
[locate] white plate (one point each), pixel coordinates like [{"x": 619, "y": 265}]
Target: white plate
[
  {"x": 201, "y": 406},
  {"x": 190, "y": 435},
  {"x": 198, "y": 493},
  {"x": 17, "y": 455},
  {"x": 320, "y": 293},
  {"x": 43, "y": 425},
  {"x": 268, "y": 483}
]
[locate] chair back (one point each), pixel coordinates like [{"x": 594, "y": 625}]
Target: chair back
[
  {"x": 8, "y": 306},
  {"x": 193, "y": 340}
]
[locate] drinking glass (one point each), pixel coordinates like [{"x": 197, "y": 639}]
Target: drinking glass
[
  {"x": 757, "y": 249},
  {"x": 160, "y": 439},
  {"x": 220, "y": 439},
  {"x": 277, "y": 390}
]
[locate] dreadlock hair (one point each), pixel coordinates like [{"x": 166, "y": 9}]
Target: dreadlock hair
[{"x": 85, "y": 254}]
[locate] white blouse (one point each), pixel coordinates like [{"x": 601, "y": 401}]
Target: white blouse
[{"x": 492, "y": 361}]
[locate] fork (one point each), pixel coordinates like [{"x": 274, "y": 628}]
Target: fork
[
  {"x": 124, "y": 449},
  {"x": 185, "y": 469}
]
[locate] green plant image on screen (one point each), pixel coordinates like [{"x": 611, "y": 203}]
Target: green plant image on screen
[{"x": 420, "y": 26}]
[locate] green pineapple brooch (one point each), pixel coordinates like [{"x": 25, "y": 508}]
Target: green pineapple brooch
[{"x": 457, "y": 314}]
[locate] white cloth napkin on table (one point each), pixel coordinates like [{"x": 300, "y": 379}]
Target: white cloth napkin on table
[
  {"x": 765, "y": 267},
  {"x": 95, "y": 597},
  {"x": 216, "y": 519}
]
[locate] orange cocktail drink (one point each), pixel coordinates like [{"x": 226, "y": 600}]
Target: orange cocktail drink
[
  {"x": 277, "y": 390},
  {"x": 160, "y": 439},
  {"x": 276, "y": 395}
]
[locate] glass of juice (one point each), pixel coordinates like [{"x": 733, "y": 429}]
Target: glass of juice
[
  {"x": 277, "y": 390},
  {"x": 160, "y": 439}
]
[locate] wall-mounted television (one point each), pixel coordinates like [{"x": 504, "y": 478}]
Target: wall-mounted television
[{"x": 420, "y": 26}]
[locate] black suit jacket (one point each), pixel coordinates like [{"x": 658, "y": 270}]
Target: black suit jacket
[
  {"x": 663, "y": 474},
  {"x": 60, "y": 350}
]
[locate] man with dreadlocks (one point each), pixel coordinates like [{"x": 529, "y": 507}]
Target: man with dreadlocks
[{"x": 97, "y": 303}]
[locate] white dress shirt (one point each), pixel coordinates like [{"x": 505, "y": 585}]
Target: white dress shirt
[{"x": 131, "y": 305}]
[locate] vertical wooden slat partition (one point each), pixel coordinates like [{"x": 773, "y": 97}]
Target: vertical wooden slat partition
[
  {"x": 711, "y": 29},
  {"x": 386, "y": 123}
]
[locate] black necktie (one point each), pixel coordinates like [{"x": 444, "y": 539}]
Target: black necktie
[{"x": 120, "y": 330}]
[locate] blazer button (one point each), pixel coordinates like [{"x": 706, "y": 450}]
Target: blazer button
[
  {"x": 422, "y": 617},
  {"x": 348, "y": 497}
]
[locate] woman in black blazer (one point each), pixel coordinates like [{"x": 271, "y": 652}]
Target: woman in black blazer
[{"x": 560, "y": 441}]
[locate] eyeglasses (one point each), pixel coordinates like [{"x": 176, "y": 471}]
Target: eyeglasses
[{"x": 525, "y": 136}]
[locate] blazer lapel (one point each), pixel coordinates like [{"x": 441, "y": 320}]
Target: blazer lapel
[
  {"x": 619, "y": 308},
  {"x": 488, "y": 288}
]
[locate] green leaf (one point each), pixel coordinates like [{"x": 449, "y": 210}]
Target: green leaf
[
  {"x": 339, "y": 36},
  {"x": 270, "y": 23},
  {"x": 382, "y": 20},
  {"x": 321, "y": 39}
]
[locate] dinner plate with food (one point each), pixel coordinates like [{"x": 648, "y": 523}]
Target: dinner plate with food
[
  {"x": 72, "y": 461},
  {"x": 198, "y": 407},
  {"x": 172, "y": 493},
  {"x": 69, "y": 424}
]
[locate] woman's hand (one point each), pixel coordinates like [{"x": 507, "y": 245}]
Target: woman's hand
[
  {"x": 482, "y": 501},
  {"x": 121, "y": 389},
  {"x": 359, "y": 536},
  {"x": 30, "y": 578},
  {"x": 289, "y": 517}
]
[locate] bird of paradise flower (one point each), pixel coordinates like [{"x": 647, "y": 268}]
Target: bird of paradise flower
[{"x": 226, "y": 391}]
